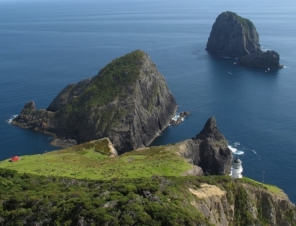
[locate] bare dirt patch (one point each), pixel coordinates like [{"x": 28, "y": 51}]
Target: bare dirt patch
[{"x": 207, "y": 190}]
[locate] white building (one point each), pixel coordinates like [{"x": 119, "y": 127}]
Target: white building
[{"x": 236, "y": 169}]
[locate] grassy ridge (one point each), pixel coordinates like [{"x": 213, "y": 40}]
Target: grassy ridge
[
  {"x": 91, "y": 161},
  {"x": 84, "y": 183}
]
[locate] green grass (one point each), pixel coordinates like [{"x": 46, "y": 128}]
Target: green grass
[
  {"x": 268, "y": 187},
  {"x": 112, "y": 80},
  {"x": 91, "y": 161}
]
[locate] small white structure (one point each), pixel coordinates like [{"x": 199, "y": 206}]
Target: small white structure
[{"x": 236, "y": 169}]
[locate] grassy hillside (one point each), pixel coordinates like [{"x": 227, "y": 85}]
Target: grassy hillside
[
  {"x": 91, "y": 160},
  {"x": 85, "y": 185}
]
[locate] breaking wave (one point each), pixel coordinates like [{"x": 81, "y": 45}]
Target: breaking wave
[{"x": 11, "y": 118}]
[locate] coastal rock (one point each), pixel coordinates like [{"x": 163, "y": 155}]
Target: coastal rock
[
  {"x": 127, "y": 101},
  {"x": 268, "y": 59},
  {"x": 208, "y": 150},
  {"x": 179, "y": 118},
  {"x": 233, "y": 36}
]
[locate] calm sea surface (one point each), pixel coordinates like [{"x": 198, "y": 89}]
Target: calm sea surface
[{"x": 45, "y": 45}]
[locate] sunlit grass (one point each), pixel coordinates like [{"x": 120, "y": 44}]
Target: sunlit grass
[{"x": 84, "y": 161}]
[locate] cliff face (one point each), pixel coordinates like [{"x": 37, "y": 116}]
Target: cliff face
[
  {"x": 268, "y": 59},
  {"x": 244, "y": 204},
  {"x": 28, "y": 199},
  {"x": 208, "y": 150},
  {"x": 233, "y": 36},
  {"x": 128, "y": 101}
]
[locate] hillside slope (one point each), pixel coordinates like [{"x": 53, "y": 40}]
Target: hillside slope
[{"x": 26, "y": 199}]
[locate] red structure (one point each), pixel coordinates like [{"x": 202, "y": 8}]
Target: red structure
[{"x": 15, "y": 158}]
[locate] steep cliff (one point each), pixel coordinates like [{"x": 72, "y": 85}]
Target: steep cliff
[
  {"x": 128, "y": 101},
  {"x": 28, "y": 199},
  {"x": 208, "y": 150},
  {"x": 268, "y": 59},
  {"x": 233, "y": 36}
]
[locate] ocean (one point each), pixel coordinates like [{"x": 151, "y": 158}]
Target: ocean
[{"x": 45, "y": 45}]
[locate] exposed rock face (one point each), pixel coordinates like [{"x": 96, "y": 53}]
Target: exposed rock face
[
  {"x": 244, "y": 204},
  {"x": 208, "y": 150},
  {"x": 269, "y": 59},
  {"x": 233, "y": 36},
  {"x": 128, "y": 101},
  {"x": 177, "y": 120}
]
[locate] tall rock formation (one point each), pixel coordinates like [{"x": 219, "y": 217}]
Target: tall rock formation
[
  {"x": 128, "y": 101},
  {"x": 208, "y": 150},
  {"x": 233, "y": 36}
]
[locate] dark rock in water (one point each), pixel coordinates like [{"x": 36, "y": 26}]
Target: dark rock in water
[
  {"x": 236, "y": 36},
  {"x": 233, "y": 36},
  {"x": 208, "y": 150},
  {"x": 128, "y": 101},
  {"x": 181, "y": 117},
  {"x": 269, "y": 59}
]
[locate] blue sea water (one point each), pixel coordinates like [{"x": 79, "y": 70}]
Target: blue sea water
[{"x": 45, "y": 45}]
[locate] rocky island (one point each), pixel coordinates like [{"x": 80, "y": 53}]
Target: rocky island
[
  {"x": 127, "y": 101},
  {"x": 235, "y": 36}
]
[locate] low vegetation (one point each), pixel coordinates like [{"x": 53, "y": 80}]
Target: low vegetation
[
  {"x": 84, "y": 185},
  {"x": 91, "y": 160}
]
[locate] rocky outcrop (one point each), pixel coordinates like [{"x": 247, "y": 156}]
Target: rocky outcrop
[
  {"x": 268, "y": 59},
  {"x": 244, "y": 204},
  {"x": 208, "y": 150},
  {"x": 233, "y": 36},
  {"x": 128, "y": 101},
  {"x": 179, "y": 118}
]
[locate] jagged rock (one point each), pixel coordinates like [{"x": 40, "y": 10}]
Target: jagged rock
[
  {"x": 269, "y": 59},
  {"x": 180, "y": 118},
  {"x": 128, "y": 101},
  {"x": 208, "y": 150},
  {"x": 63, "y": 143},
  {"x": 233, "y": 36}
]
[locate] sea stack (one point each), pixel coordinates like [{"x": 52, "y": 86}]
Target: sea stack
[
  {"x": 127, "y": 101},
  {"x": 208, "y": 150},
  {"x": 235, "y": 36}
]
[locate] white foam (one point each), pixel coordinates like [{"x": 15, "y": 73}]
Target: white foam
[
  {"x": 236, "y": 143},
  {"x": 235, "y": 151},
  {"x": 11, "y": 118},
  {"x": 175, "y": 118},
  {"x": 239, "y": 153},
  {"x": 232, "y": 148}
]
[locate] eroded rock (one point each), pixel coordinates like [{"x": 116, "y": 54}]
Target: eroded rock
[{"x": 128, "y": 101}]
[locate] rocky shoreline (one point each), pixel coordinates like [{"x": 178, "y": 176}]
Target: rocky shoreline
[{"x": 179, "y": 118}]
